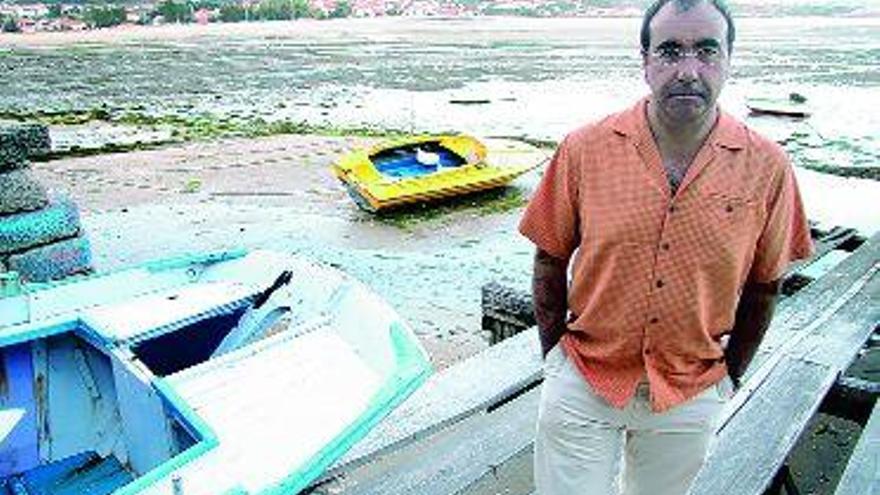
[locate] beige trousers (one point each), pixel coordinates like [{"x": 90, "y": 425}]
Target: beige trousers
[{"x": 584, "y": 446}]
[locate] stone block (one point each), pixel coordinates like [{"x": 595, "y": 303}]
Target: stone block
[
  {"x": 53, "y": 261},
  {"x": 21, "y": 231},
  {"x": 20, "y": 142},
  {"x": 20, "y": 192},
  {"x": 35, "y": 137},
  {"x": 13, "y": 152}
]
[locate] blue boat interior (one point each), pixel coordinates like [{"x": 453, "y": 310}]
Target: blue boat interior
[
  {"x": 415, "y": 160},
  {"x": 77, "y": 413},
  {"x": 84, "y": 473}
]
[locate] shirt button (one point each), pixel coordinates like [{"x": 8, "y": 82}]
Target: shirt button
[
  {"x": 672, "y": 209},
  {"x": 654, "y": 321},
  {"x": 660, "y": 284},
  {"x": 728, "y": 208},
  {"x": 647, "y": 352},
  {"x": 665, "y": 246}
]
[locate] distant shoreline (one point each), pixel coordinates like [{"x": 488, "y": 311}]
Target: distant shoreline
[{"x": 313, "y": 28}]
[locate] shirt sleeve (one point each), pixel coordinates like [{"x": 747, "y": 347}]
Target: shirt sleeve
[
  {"x": 551, "y": 217},
  {"x": 786, "y": 234}
]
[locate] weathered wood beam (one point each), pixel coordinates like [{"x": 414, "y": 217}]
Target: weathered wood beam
[
  {"x": 475, "y": 385},
  {"x": 828, "y": 323},
  {"x": 862, "y": 474}
]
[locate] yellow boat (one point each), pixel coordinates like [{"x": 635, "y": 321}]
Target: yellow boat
[{"x": 426, "y": 168}]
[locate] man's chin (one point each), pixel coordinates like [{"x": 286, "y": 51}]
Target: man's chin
[{"x": 685, "y": 109}]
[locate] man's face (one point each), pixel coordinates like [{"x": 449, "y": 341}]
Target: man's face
[{"x": 687, "y": 62}]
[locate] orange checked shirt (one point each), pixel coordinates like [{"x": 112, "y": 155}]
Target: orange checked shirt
[{"x": 656, "y": 278}]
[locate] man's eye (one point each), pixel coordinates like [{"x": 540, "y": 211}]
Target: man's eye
[
  {"x": 669, "y": 52},
  {"x": 708, "y": 51}
]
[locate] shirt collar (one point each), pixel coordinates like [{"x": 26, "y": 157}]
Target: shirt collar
[{"x": 633, "y": 122}]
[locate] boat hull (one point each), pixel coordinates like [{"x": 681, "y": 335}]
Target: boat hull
[
  {"x": 374, "y": 186},
  {"x": 134, "y": 375}
]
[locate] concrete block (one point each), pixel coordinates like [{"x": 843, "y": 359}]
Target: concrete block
[
  {"x": 53, "y": 261},
  {"x": 21, "y": 231},
  {"x": 20, "y": 192}
]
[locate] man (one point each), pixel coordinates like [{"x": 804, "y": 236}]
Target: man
[{"x": 679, "y": 222}]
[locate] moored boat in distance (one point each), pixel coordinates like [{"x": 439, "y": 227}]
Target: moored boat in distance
[
  {"x": 232, "y": 373},
  {"x": 795, "y": 105},
  {"x": 426, "y": 168}
]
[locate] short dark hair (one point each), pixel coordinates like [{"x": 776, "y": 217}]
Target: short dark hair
[{"x": 685, "y": 5}]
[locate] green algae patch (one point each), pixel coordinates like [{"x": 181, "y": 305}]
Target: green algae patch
[
  {"x": 183, "y": 128},
  {"x": 483, "y": 203}
]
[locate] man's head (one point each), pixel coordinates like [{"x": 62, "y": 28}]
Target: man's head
[
  {"x": 686, "y": 58},
  {"x": 720, "y": 5}
]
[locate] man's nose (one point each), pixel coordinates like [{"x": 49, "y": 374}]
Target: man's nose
[{"x": 688, "y": 69}]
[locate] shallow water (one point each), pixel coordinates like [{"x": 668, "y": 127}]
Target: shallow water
[{"x": 541, "y": 77}]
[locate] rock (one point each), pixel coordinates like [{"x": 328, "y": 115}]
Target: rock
[
  {"x": 19, "y": 192},
  {"x": 13, "y": 153},
  {"x": 36, "y": 139},
  {"x": 21, "y": 231},
  {"x": 20, "y": 142},
  {"x": 506, "y": 311},
  {"x": 53, "y": 261}
]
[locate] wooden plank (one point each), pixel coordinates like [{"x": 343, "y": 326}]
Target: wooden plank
[
  {"x": 145, "y": 426},
  {"x": 300, "y": 393},
  {"x": 798, "y": 316},
  {"x": 472, "y": 385},
  {"x": 452, "y": 460},
  {"x": 853, "y": 325},
  {"x": 833, "y": 239},
  {"x": 862, "y": 474},
  {"x": 78, "y": 416},
  {"x": 40, "y": 354},
  {"x": 802, "y": 272},
  {"x": 161, "y": 312},
  {"x": 754, "y": 444}
]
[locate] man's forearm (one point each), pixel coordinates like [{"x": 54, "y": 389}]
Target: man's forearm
[
  {"x": 550, "y": 297},
  {"x": 753, "y": 315}
]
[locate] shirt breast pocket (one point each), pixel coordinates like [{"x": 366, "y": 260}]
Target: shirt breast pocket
[{"x": 727, "y": 221}]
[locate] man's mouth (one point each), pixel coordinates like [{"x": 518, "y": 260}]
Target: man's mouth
[{"x": 685, "y": 94}]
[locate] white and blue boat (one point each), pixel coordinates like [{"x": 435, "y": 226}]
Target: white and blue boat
[{"x": 236, "y": 373}]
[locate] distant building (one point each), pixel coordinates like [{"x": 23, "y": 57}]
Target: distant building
[
  {"x": 203, "y": 16},
  {"x": 71, "y": 24}
]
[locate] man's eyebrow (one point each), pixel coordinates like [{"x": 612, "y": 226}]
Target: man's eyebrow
[
  {"x": 708, "y": 43},
  {"x": 669, "y": 44}
]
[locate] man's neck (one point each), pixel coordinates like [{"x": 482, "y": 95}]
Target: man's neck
[{"x": 675, "y": 140}]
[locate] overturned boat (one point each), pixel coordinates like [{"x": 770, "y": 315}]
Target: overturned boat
[
  {"x": 232, "y": 373},
  {"x": 426, "y": 168}
]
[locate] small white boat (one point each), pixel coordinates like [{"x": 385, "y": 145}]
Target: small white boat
[
  {"x": 795, "y": 105},
  {"x": 235, "y": 373}
]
